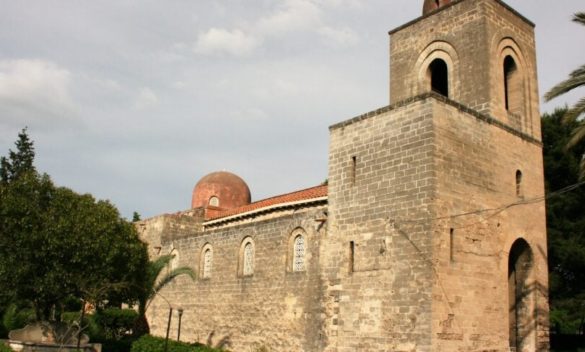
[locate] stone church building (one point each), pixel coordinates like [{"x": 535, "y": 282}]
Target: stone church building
[{"x": 430, "y": 235}]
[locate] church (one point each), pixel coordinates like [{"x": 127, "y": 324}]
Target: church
[{"x": 429, "y": 235}]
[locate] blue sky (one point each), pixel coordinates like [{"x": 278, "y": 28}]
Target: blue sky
[{"x": 135, "y": 100}]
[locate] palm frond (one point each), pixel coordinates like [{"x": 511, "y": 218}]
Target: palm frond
[
  {"x": 165, "y": 280},
  {"x": 576, "y": 79},
  {"x": 579, "y": 17},
  {"x": 575, "y": 112},
  {"x": 577, "y": 136}
]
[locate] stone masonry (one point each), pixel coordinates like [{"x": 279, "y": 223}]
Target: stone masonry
[{"x": 430, "y": 235}]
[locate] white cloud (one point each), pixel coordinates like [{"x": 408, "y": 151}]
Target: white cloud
[
  {"x": 34, "y": 90},
  {"x": 294, "y": 16},
  {"x": 297, "y": 15},
  {"x": 221, "y": 41},
  {"x": 145, "y": 99}
]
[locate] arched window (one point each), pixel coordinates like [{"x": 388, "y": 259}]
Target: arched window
[
  {"x": 206, "y": 261},
  {"x": 214, "y": 201},
  {"x": 247, "y": 257},
  {"x": 299, "y": 253},
  {"x": 512, "y": 86},
  {"x": 520, "y": 293},
  {"x": 439, "y": 76},
  {"x": 519, "y": 183}
]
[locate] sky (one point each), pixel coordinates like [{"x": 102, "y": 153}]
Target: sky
[{"x": 134, "y": 101}]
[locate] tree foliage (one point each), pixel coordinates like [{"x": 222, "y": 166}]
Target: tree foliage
[
  {"x": 19, "y": 161},
  {"x": 56, "y": 244},
  {"x": 575, "y": 114},
  {"x": 566, "y": 225}
]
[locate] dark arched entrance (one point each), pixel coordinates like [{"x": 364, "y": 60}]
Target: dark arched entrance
[{"x": 520, "y": 293}]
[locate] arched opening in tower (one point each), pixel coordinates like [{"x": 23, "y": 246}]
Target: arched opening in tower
[
  {"x": 439, "y": 75},
  {"x": 520, "y": 293},
  {"x": 512, "y": 86}
]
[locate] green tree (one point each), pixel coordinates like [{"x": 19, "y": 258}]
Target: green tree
[
  {"x": 154, "y": 282},
  {"x": 19, "y": 161},
  {"x": 56, "y": 244},
  {"x": 573, "y": 115},
  {"x": 565, "y": 225}
]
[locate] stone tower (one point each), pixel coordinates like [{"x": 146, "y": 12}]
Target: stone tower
[{"x": 437, "y": 234}]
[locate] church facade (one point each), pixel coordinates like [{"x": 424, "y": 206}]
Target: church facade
[{"x": 429, "y": 236}]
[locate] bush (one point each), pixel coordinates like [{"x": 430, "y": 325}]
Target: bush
[
  {"x": 4, "y": 348},
  {"x": 149, "y": 343},
  {"x": 113, "y": 323},
  {"x": 15, "y": 318}
]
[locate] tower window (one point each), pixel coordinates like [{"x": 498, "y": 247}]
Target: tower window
[
  {"x": 206, "y": 262},
  {"x": 519, "y": 183},
  {"x": 512, "y": 86},
  {"x": 439, "y": 75}
]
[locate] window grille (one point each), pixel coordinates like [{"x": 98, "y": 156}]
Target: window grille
[
  {"x": 248, "y": 259},
  {"x": 299, "y": 254},
  {"x": 207, "y": 263}
]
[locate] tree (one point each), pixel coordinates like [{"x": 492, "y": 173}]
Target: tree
[
  {"x": 18, "y": 162},
  {"x": 565, "y": 225},
  {"x": 576, "y": 79},
  {"x": 152, "y": 286},
  {"x": 56, "y": 244}
]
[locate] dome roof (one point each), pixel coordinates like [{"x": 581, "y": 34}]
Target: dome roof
[
  {"x": 221, "y": 189},
  {"x": 432, "y": 5}
]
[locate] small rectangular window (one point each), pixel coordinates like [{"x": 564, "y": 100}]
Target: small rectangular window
[
  {"x": 452, "y": 245},
  {"x": 353, "y": 169},
  {"x": 351, "y": 256}
]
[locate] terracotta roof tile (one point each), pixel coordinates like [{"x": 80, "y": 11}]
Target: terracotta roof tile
[{"x": 306, "y": 194}]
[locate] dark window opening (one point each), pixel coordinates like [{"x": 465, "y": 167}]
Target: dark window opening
[
  {"x": 519, "y": 183},
  {"x": 439, "y": 74},
  {"x": 353, "y": 169},
  {"x": 510, "y": 71},
  {"x": 451, "y": 245},
  {"x": 351, "y": 256}
]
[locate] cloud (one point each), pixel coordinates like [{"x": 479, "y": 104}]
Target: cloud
[
  {"x": 33, "y": 91},
  {"x": 295, "y": 16},
  {"x": 145, "y": 99},
  {"x": 222, "y": 41}
]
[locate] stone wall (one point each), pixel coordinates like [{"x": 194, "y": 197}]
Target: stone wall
[
  {"x": 481, "y": 213},
  {"x": 275, "y": 307},
  {"x": 377, "y": 274}
]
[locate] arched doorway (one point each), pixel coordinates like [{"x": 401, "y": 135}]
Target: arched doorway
[{"x": 521, "y": 293}]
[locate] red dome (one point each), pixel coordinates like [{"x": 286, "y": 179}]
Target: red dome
[
  {"x": 221, "y": 189},
  {"x": 432, "y": 5}
]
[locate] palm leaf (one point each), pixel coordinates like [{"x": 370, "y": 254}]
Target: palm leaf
[
  {"x": 576, "y": 79},
  {"x": 165, "y": 280},
  {"x": 579, "y": 18},
  {"x": 577, "y": 136},
  {"x": 575, "y": 112}
]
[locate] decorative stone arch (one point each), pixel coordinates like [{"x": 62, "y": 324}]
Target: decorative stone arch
[
  {"x": 521, "y": 291},
  {"x": 297, "y": 250},
  {"x": 437, "y": 52},
  {"x": 513, "y": 84},
  {"x": 206, "y": 261},
  {"x": 246, "y": 257}
]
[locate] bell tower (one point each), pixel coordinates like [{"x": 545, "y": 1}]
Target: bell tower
[
  {"x": 436, "y": 219},
  {"x": 478, "y": 53}
]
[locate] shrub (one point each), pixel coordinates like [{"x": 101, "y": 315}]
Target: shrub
[
  {"x": 15, "y": 318},
  {"x": 149, "y": 343},
  {"x": 114, "y": 323},
  {"x": 4, "y": 348}
]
